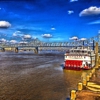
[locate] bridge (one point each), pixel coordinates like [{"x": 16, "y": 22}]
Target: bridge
[{"x": 36, "y": 45}]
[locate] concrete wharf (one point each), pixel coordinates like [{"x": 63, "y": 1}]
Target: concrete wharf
[{"x": 87, "y": 83}]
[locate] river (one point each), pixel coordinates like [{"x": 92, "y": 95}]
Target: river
[{"x": 29, "y": 76}]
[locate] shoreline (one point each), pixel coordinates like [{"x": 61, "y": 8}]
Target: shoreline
[{"x": 87, "y": 94}]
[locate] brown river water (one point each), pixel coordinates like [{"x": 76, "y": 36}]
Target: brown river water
[{"x": 29, "y": 76}]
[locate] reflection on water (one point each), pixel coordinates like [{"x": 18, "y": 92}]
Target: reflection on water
[
  {"x": 72, "y": 78},
  {"x": 27, "y": 76}
]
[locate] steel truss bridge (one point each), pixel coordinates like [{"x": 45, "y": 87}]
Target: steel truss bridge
[{"x": 54, "y": 45}]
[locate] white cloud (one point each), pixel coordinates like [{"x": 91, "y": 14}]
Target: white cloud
[
  {"x": 94, "y": 22},
  {"x": 73, "y": 0},
  {"x": 98, "y": 31},
  {"x": 83, "y": 39},
  {"x": 93, "y": 10},
  {"x": 53, "y": 28},
  {"x": 14, "y": 34},
  {"x": 13, "y": 41},
  {"x": 4, "y": 24},
  {"x": 70, "y": 12},
  {"x": 3, "y": 40},
  {"x": 17, "y": 34},
  {"x": 23, "y": 42},
  {"x": 46, "y": 35},
  {"x": 74, "y": 38},
  {"x": 27, "y": 36}
]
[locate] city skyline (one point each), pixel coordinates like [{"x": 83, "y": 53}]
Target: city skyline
[{"x": 49, "y": 20}]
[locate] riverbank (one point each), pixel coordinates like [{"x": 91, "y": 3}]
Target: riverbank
[{"x": 87, "y": 94}]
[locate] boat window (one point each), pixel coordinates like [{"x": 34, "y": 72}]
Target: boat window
[
  {"x": 67, "y": 51},
  {"x": 82, "y": 51},
  {"x": 72, "y": 51},
  {"x": 89, "y": 52},
  {"x": 78, "y": 51}
]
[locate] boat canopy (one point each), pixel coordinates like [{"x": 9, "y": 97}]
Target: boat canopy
[{"x": 79, "y": 50}]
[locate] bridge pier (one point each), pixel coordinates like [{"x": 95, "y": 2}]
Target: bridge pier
[
  {"x": 3, "y": 49},
  {"x": 36, "y": 50},
  {"x": 16, "y": 50}
]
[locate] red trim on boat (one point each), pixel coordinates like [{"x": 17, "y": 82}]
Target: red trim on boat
[{"x": 75, "y": 65}]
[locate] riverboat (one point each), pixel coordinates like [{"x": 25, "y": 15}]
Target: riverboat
[{"x": 79, "y": 58}]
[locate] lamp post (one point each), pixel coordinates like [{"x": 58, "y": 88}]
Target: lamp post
[{"x": 93, "y": 44}]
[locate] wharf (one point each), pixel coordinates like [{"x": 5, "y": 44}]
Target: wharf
[
  {"x": 90, "y": 91},
  {"x": 89, "y": 88}
]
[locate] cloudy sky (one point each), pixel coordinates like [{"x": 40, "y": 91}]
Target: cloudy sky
[{"x": 48, "y": 20}]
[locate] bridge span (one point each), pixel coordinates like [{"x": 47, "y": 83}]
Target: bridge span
[{"x": 37, "y": 45}]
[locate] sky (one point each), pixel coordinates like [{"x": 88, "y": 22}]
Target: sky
[{"x": 48, "y": 20}]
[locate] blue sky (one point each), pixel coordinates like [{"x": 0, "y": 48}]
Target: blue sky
[{"x": 48, "y": 20}]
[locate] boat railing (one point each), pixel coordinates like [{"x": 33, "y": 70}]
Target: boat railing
[{"x": 77, "y": 54}]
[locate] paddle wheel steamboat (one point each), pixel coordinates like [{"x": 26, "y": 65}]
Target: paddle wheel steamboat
[{"x": 79, "y": 58}]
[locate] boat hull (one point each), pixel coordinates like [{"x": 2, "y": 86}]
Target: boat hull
[
  {"x": 76, "y": 68},
  {"x": 76, "y": 65}
]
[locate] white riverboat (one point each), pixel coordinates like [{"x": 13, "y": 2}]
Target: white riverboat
[{"x": 79, "y": 58}]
